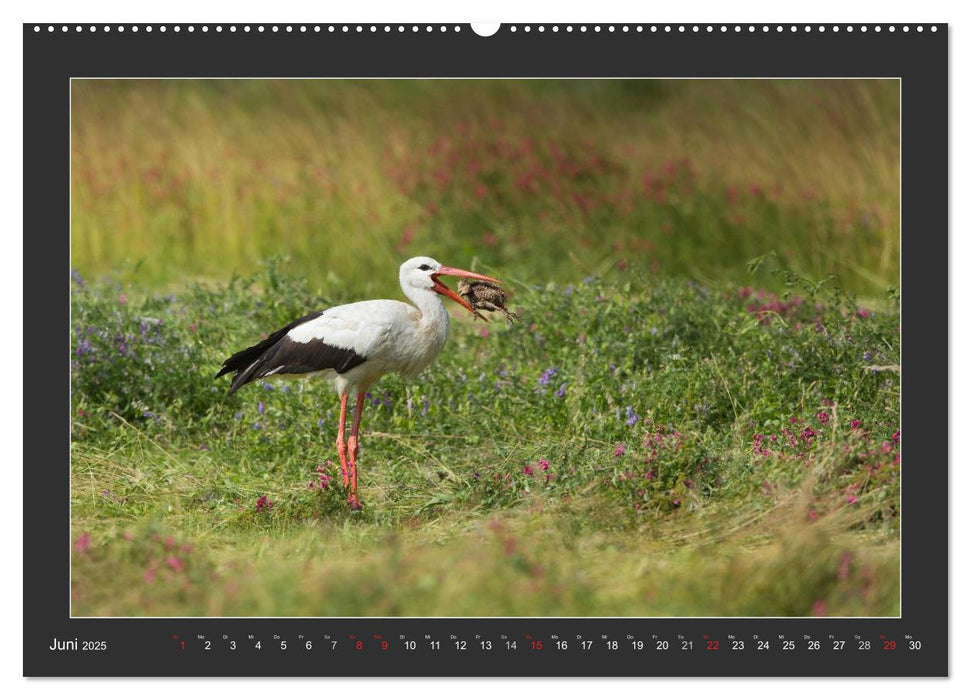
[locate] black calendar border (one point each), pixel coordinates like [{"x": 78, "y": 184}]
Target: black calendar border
[{"x": 149, "y": 647}]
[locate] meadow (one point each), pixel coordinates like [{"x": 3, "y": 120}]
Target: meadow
[{"x": 698, "y": 413}]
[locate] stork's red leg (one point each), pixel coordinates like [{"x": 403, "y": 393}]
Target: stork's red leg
[
  {"x": 352, "y": 445},
  {"x": 341, "y": 445}
]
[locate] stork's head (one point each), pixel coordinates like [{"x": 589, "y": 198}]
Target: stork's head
[{"x": 423, "y": 273}]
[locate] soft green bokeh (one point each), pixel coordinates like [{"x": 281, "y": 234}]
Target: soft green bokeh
[{"x": 546, "y": 180}]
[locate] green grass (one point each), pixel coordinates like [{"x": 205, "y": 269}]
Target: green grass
[
  {"x": 697, "y": 415},
  {"x": 633, "y": 447}
]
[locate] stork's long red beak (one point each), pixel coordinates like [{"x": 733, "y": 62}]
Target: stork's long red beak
[{"x": 456, "y": 272}]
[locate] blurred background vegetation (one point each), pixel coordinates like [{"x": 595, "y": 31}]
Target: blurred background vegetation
[{"x": 546, "y": 180}]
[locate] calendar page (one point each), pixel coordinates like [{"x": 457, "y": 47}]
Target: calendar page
[{"x": 467, "y": 350}]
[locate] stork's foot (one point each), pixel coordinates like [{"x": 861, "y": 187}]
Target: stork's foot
[{"x": 353, "y": 502}]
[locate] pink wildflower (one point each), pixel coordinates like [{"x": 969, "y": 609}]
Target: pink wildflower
[
  {"x": 83, "y": 543},
  {"x": 263, "y": 503},
  {"x": 843, "y": 572}
]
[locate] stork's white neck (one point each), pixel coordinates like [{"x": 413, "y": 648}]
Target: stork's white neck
[{"x": 429, "y": 303}]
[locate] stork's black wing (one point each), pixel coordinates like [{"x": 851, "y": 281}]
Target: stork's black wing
[{"x": 277, "y": 354}]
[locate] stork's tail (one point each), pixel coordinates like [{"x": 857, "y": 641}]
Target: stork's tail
[
  {"x": 244, "y": 364},
  {"x": 247, "y": 363}
]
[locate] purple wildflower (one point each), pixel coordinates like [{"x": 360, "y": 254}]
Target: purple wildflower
[
  {"x": 631, "y": 416},
  {"x": 260, "y": 408},
  {"x": 561, "y": 392},
  {"x": 547, "y": 374}
]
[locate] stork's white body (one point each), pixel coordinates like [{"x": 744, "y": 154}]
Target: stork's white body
[
  {"x": 392, "y": 335},
  {"x": 353, "y": 345}
]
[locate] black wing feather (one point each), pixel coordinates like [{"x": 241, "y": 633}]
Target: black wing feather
[{"x": 278, "y": 351}]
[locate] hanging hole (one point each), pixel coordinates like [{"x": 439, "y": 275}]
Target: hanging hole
[{"x": 485, "y": 28}]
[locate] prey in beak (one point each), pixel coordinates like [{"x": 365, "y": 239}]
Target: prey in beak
[
  {"x": 456, "y": 272},
  {"x": 486, "y": 296}
]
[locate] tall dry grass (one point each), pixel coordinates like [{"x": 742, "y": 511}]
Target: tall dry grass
[{"x": 546, "y": 179}]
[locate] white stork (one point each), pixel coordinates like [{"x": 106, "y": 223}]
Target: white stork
[{"x": 353, "y": 345}]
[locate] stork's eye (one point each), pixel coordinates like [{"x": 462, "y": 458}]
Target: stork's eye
[{"x": 424, "y": 268}]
